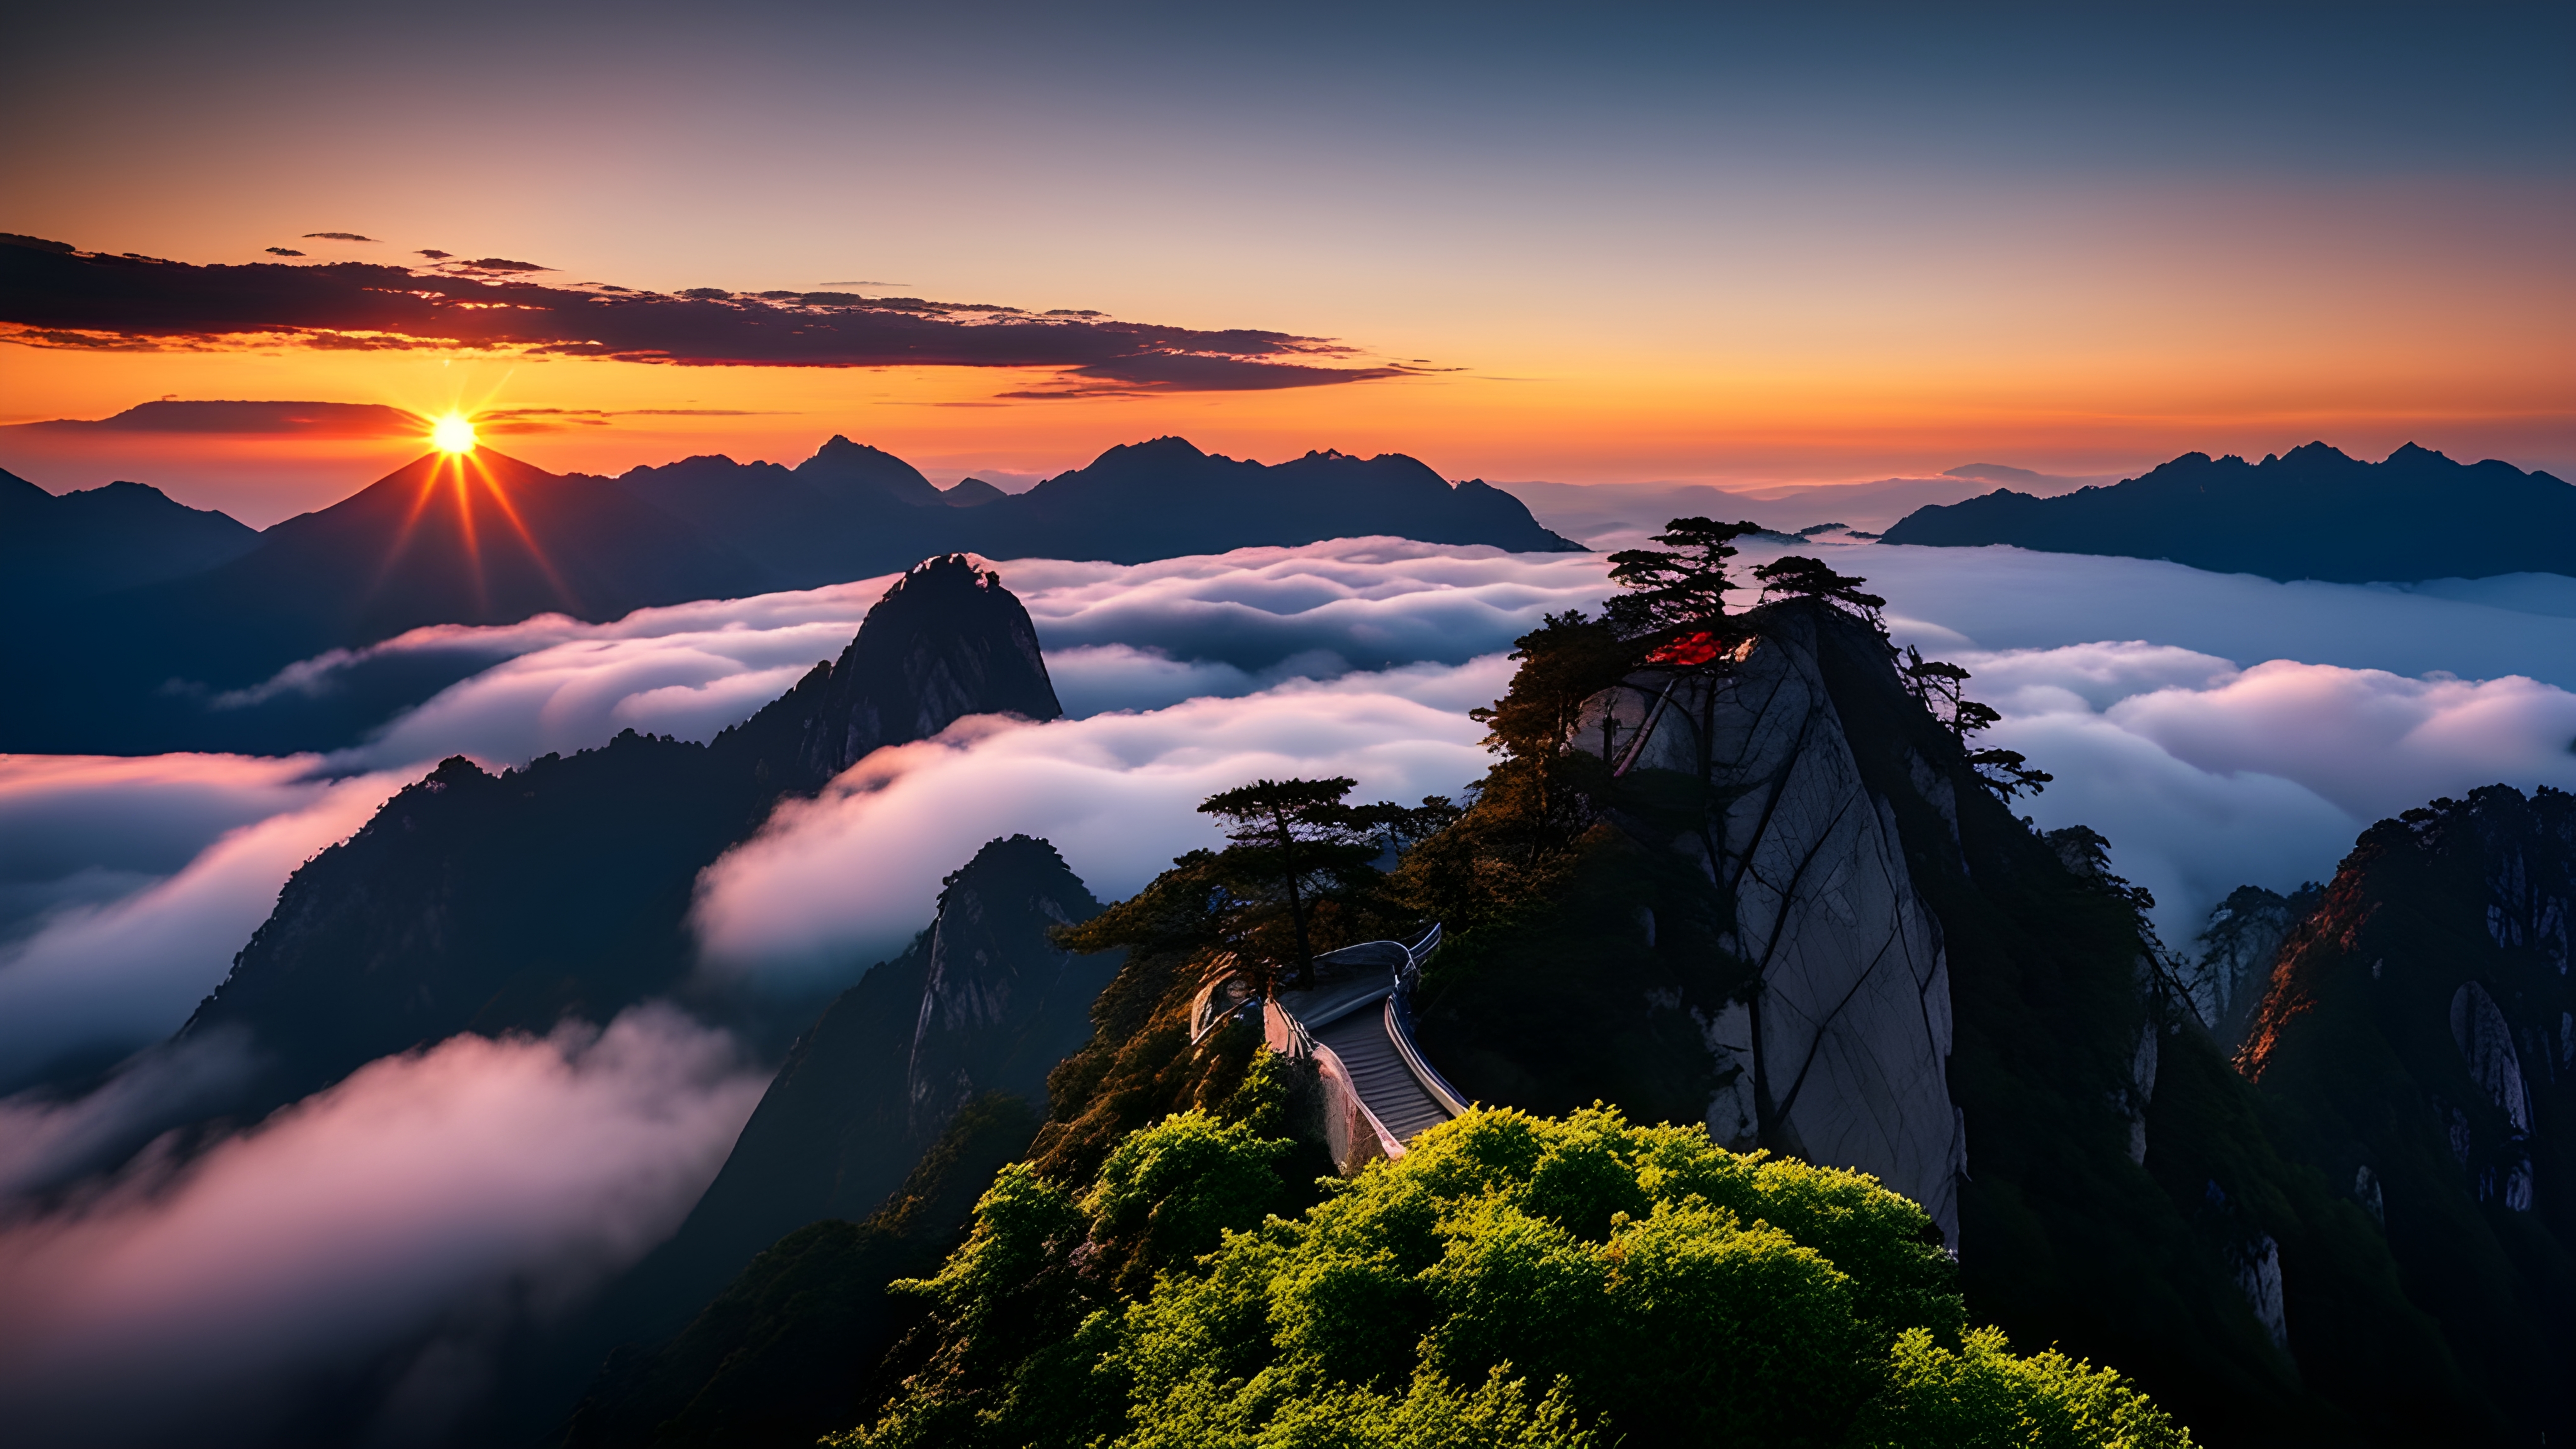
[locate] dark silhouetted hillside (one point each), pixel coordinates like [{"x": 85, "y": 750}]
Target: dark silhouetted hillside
[
  {"x": 962, "y": 1028},
  {"x": 2417, "y": 1049},
  {"x": 56, "y": 549},
  {"x": 2311, "y": 513},
  {"x": 1155, "y": 500}
]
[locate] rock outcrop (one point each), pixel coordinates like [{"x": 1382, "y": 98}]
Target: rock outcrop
[
  {"x": 982, "y": 1003},
  {"x": 946, "y": 641},
  {"x": 1840, "y": 1056},
  {"x": 1002, "y": 1003},
  {"x": 2415, "y": 1041},
  {"x": 2239, "y": 945}
]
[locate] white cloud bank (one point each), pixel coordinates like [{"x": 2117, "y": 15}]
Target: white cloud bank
[
  {"x": 426, "y": 1185},
  {"x": 851, "y": 874},
  {"x": 102, "y": 977},
  {"x": 107, "y": 934},
  {"x": 410, "y": 1209},
  {"x": 2207, "y": 777}
]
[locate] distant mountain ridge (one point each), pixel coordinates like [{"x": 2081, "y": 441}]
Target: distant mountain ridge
[
  {"x": 98, "y": 540},
  {"x": 2311, "y": 513},
  {"x": 495, "y": 540}
]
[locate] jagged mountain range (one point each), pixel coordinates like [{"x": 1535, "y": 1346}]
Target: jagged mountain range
[
  {"x": 2311, "y": 513},
  {"x": 2308, "y": 1189},
  {"x": 512, "y": 902},
  {"x": 491, "y": 540}
]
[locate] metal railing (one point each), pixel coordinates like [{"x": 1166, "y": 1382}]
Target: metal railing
[{"x": 1399, "y": 1023}]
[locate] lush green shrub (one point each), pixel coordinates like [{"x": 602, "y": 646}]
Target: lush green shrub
[{"x": 1513, "y": 1280}]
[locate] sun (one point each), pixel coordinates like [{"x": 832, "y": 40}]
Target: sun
[{"x": 452, "y": 434}]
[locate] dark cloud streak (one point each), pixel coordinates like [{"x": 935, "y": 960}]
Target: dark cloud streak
[{"x": 58, "y": 299}]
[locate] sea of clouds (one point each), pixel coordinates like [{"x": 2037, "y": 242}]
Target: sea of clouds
[
  {"x": 395, "y": 1226},
  {"x": 2220, "y": 730}
]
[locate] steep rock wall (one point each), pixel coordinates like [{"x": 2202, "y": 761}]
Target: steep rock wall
[{"x": 1841, "y": 1055}]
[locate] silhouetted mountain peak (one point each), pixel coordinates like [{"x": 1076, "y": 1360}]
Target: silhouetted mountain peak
[
  {"x": 840, "y": 465},
  {"x": 945, "y": 641},
  {"x": 1170, "y": 448},
  {"x": 971, "y": 493},
  {"x": 17, "y": 493}
]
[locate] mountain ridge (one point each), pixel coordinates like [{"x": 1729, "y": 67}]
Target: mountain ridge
[
  {"x": 494, "y": 540},
  {"x": 2314, "y": 512}
]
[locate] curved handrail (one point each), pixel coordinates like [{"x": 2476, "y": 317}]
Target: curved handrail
[
  {"x": 1399, "y": 1030},
  {"x": 1287, "y": 1032}
]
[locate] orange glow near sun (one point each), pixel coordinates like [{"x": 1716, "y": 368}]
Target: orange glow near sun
[{"x": 452, "y": 434}]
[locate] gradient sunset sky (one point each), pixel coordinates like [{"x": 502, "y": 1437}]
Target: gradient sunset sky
[{"x": 1573, "y": 243}]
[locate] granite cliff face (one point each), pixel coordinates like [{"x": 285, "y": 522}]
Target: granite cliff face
[
  {"x": 2240, "y": 943},
  {"x": 1002, "y": 1003},
  {"x": 1801, "y": 916},
  {"x": 2418, "y": 1043},
  {"x": 962, "y": 1027},
  {"x": 1841, "y": 1055}
]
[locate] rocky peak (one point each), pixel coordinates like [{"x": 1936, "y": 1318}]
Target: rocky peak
[
  {"x": 991, "y": 1011},
  {"x": 1841, "y": 1057},
  {"x": 946, "y": 641},
  {"x": 841, "y": 465},
  {"x": 2240, "y": 943},
  {"x": 2418, "y": 1040}
]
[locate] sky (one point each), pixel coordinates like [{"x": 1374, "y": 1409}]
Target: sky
[{"x": 1612, "y": 245}]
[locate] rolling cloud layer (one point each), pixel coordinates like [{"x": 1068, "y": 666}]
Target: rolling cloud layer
[
  {"x": 843, "y": 876},
  {"x": 390, "y": 1228},
  {"x": 69, "y": 299},
  {"x": 106, "y": 940}
]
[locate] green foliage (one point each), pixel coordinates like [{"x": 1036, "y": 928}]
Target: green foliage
[
  {"x": 1681, "y": 586},
  {"x": 1982, "y": 1397},
  {"x": 1168, "y": 1193},
  {"x": 1263, "y": 1099},
  {"x": 1299, "y": 876},
  {"x": 1565, "y": 661},
  {"x": 1432, "y": 1414},
  {"x": 1796, "y": 576},
  {"x": 1938, "y": 685},
  {"x": 1024, "y": 1321},
  {"x": 1660, "y": 1289}
]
